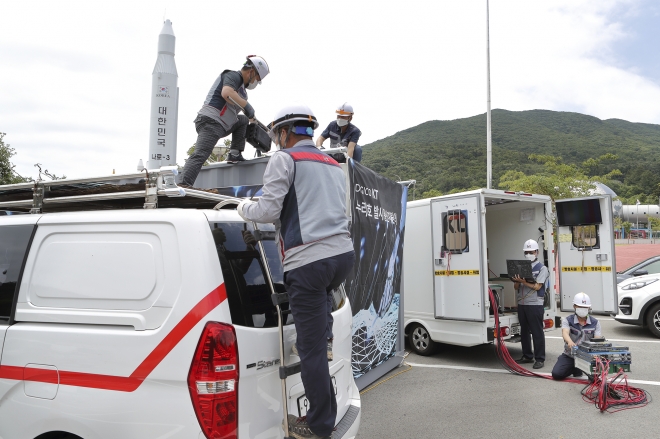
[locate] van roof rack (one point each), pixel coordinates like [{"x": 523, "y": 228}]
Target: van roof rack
[{"x": 150, "y": 190}]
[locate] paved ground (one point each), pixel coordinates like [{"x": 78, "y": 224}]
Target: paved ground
[{"x": 440, "y": 398}]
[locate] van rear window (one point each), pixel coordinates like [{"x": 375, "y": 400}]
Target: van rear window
[
  {"x": 14, "y": 242},
  {"x": 248, "y": 293}
]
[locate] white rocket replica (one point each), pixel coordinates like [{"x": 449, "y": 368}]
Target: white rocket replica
[{"x": 164, "y": 102}]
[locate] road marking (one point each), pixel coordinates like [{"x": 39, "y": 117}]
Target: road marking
[
  {"x": 616, "y": 339},
  {"x": 483, "y": 369}
]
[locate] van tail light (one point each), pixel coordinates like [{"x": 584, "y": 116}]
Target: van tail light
[
  {"x": 504, "y": 331},
  {"x": 213, "y": 381},
  {"x": 548, "y": 323}
]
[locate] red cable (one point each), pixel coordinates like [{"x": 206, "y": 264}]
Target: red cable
[{"x": 601, "y": 391}]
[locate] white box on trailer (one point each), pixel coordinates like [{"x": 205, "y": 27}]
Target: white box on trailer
[{"x": 456, "y": 250}]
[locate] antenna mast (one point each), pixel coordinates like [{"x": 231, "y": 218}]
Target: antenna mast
[{"x": 489, "y": 141}]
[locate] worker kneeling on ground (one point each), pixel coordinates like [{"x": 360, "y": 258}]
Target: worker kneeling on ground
[
  {"x": 304, "y": 194},
  {"x": 219, "y": 116},
  {"x": 575, "y": 329},
  {"x": 343, "y": 133},
  {"x": 530, "y": 297}
]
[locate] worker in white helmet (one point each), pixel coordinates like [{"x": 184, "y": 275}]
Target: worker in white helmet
[
  {"x": 531, "y": 297},
  {"x": 575, "y": 329},
  {"x": 304, "y": 193},
  {"x": 219, "y": 116},
  {"x": 342, "y": 132}
]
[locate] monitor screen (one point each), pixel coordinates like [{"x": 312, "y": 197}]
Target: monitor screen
[{"x": 578, "y": 213}]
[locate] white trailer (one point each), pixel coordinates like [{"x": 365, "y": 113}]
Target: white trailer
[
  {"x": 585, "y": 233},
  {"x": 456, "y": 249}
]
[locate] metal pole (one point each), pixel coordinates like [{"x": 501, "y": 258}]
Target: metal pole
[{"x": 489, "y": 143}]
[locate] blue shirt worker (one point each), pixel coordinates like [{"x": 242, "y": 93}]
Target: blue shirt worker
[
  {"x": 304, "y": 194},
  {"x": 575, "y": 329},
  {"x": 342, "y": 132},
  {"x": 530, "y": 297},
  {"x": 219, "y": 116}
]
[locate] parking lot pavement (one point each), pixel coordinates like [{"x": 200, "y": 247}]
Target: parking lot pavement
[{"x": 465, "y": 393}]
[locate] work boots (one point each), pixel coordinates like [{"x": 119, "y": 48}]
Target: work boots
[
  {"x": 231, "y": 158},
  {"x": 299, "y": 428}
]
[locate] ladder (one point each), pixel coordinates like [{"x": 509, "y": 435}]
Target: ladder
[{"x": 278, "y": 300}]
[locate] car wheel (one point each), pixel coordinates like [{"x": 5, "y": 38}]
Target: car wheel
[
  {"x": 420, "y": 340},
  {"x": 653, "y": 320}
]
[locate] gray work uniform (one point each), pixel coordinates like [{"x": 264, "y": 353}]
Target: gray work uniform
[
  {"x": 578, "y": 333},
  {"x": 530, "y": 314},
  {"x": 305, "y": 198},
  {"x": 217, "y": 119},
  {"x": 337, "y": 138},
  {"x": 304, "y": 194}
]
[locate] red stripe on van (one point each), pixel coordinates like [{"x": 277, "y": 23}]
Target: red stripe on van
[
  {"x": 40, "y": 375},
  {"x": 130, "y": 383}
]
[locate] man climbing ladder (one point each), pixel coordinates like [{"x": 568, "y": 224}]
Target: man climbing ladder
[{"x": 305, "y": 192}]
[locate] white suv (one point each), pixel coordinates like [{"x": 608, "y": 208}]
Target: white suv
[
  {"x": 147, "y": 323},
  {"x": 639, "y": 302}
]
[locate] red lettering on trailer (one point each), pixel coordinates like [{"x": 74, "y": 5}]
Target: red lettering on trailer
[{"x": 118, "y": 383}]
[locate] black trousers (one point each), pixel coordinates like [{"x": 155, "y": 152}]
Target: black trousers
[
  {"x": 309, "y": 289},
  {"x": 531, "y": 323},
  {"x": 208, "y": 133},
  {"x": 564, "y": 367}
]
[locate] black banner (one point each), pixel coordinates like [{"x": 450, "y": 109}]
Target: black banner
[{"x": 378, "y": 211}]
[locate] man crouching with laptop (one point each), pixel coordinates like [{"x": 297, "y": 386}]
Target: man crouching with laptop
[{"x": 530, "y": 297}]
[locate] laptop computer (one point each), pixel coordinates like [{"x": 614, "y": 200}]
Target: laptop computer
[{"x": 520, "y": 268}]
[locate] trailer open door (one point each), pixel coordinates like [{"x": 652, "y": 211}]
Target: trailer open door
[
  {"x": 458, "y": 258},
  {"x": 585, "y": 236}
]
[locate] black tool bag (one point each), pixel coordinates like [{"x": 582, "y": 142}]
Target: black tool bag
[{"x": 257, "y": 136}]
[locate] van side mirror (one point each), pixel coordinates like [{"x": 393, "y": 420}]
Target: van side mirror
[{"x": 640, "y": 273}]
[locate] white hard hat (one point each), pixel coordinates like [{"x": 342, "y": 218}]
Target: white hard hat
[
  {"x": 582, "y": 299},
  {"x": 259, "y": 64},
  {"x": 345, "y": 109},
  {"x": 292, "y": 113},
  {"x": 530, "y": 245}
]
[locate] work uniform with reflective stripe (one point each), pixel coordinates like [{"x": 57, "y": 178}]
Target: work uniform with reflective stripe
[
  {"x": 216, "y": 107},
  {"x": 529, "y": 296},
  {"x": 530, "y": 314},
  {"x": 215, "y": 120},
  {"x": 339, "y": 139},
  {"x": 565, "y": 364},
  {"x": 304, "y": 194}
]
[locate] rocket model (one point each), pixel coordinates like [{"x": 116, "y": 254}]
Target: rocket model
[{"x": 164, "y": 102}]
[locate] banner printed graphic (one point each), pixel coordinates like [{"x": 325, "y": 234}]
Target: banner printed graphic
[
  {"x": 246, "y": 191},
  {"x": 378, "y": 210}
]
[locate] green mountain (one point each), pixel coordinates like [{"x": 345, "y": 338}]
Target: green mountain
[{"x": 451, "y": 155}]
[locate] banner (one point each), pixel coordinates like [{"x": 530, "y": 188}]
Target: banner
[
  {"x": 245, "y": 191},
  {"x": 378, "y": 211}
]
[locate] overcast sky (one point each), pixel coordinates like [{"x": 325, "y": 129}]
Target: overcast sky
[{"x": 75, "y": 76}]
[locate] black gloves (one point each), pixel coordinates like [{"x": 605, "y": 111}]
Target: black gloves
[{"x": 249, "y": 111}]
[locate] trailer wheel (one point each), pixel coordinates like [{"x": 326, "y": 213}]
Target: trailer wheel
[
  {"x": 653, "y": 320},
  {"x": 420, "y": 340}
]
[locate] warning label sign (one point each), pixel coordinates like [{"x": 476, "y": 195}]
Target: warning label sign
[
  {"x": 587, "y": 268},
  {"x": 457, "y": 273}
]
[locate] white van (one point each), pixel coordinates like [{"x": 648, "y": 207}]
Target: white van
[
  {"x": 147, "y": 323},
  {"x": 456, "y": 250}
]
